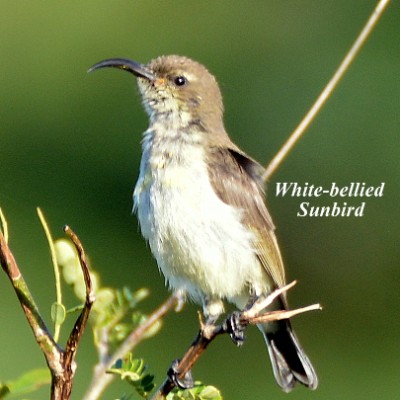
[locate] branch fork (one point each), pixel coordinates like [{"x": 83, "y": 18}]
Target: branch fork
[{"x": 60, "y": 362}]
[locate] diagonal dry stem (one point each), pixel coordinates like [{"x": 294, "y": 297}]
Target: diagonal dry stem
[{"x": 328, "y": 90}]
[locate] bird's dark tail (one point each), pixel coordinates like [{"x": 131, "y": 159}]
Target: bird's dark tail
[{"x": 289, "y": 362}]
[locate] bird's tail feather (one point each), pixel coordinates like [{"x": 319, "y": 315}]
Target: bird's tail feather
[{"x": 289, "y": 361}]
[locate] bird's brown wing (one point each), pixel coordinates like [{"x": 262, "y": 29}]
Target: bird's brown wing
[{"x": 236, "y": 179}]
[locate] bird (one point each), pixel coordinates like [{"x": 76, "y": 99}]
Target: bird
[{"x": 200, "y": 202}]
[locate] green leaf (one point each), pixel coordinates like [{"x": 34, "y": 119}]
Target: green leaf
[
  {"x": 210, "y": 393},
  {"x": 198, "y": 392},
  {"x": 104, "y": 298},
  {"x": 4, "y": 390},
  {"x": 58, "y": 313},
  {"x": 29, "y": 382},
  {"x": 133, "y": 370},
  {"x": 147, "y": 380}
]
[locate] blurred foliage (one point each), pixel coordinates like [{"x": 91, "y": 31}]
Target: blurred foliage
[
  {"x": 114, "y": 316},
  {"x": 198, "y": 392},
  {"x": 69, "y": 143},
  {"x": 28, "y": 382},
  {"x": 134, "y": 371},
  {"x": 115, "y": 313}
]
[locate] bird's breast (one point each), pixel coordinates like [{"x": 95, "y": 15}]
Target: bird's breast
[{"x": 199, "y": 241}]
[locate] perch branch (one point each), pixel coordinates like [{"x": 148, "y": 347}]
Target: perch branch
[{"x": 209, "y": 332}]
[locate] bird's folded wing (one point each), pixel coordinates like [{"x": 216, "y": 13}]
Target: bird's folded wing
[{"x": 236, "y": 179}]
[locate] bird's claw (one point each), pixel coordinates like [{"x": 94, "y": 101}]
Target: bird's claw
[
  {"x": 235, "y": 328},
  {"x": 173, "y": 375}
]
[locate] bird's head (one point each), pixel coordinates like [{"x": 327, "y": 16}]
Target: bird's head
[{"x": 175, "y": 87}]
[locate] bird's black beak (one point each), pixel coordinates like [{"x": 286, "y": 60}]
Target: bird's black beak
[{"x": 133, "y": 67}]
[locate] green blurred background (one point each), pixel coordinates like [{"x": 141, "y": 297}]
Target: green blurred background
[{"x": 69, "y": 143}]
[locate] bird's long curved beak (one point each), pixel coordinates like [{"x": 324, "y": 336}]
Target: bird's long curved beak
[{"x": 133, "y": 67}]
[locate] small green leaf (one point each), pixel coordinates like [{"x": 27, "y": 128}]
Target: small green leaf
[
  {"x": 130, "y": 376},
  {"x": 140, "y": 295},
  {"x": 136, "y": 365},
  {"x": 198, "y": 392},
  {"x": 4, "y": 390},
  {"x": 210, "y": 393},
  {"x": 68, "y": 259},
  {"x": 80, "y": 286},
  {"x": 127, "y": 294},
  {"x": 147, "y": 380},
  {"x": 119, "y": 332},
  {"x": 138, "y": 318},
  {"x": 30, "y": 381},
  {"x": 133, "y": 370},
  {"x": 104, "y": 298},
  {"x": 153, "y": 330},
  {"x": 58, "y": 313}
]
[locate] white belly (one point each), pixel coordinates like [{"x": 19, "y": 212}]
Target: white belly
[{"x": 198, "y": 241}]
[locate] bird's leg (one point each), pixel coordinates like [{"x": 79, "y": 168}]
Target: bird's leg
[
  {"x": 180, "y": 295},
  {"x": 212, "y": 308},
  {"x": 235, "y": 328},
  {"x": 173, "y": 375},
  {"x": 173, "y": 372},
  {"x": 233, "y": 325}
]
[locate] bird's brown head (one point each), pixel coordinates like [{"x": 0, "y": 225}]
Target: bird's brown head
[{"x": 176, "y": 88}]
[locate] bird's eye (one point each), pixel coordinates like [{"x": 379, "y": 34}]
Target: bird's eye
[{"x": 180, "y": 80}]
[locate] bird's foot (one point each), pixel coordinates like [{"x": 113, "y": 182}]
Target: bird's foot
[
  {"x": 173, "y": 375},
  {"x": 235, "y": 328}
]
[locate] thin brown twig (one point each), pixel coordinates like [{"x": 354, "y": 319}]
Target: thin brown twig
[
  {"x": 263, "y": 303},
  {"x": 278, "y": 315},
  {"x": 328, "y": 90},
  {"x": 49, "y": 347}
]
